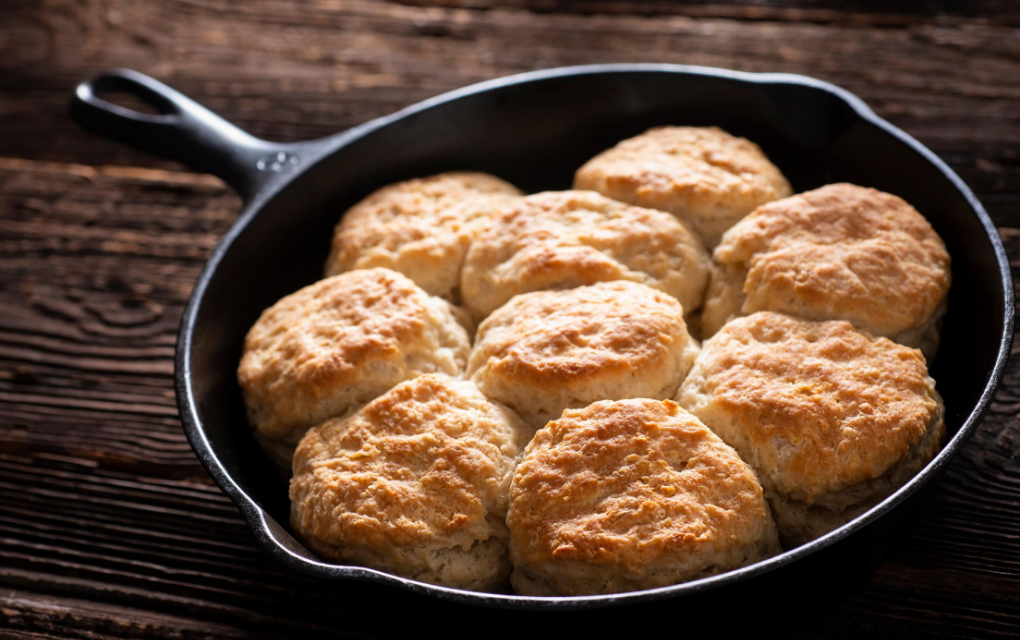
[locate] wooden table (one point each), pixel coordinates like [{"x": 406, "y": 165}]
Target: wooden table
[{"x": 109, "y": 527}]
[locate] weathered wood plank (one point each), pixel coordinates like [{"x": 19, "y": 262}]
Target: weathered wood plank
[
  {"x": 285, "y": 71},
  {"x": 110, "y": 528}
]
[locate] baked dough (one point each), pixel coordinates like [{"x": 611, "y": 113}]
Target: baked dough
[
  {"x": 415, "y": 483},
  {"x": 833, "y": 420},
  {"x": 702, "y": 175},
  {"x": 421, "y": 228},
  {"x": 841, "y": 252},
  {"x": 565, "y": 239},
  {"x": 629, "y": 495},
  {"x": 339, "y": 343},
  {"x": 546, "y": 351}
]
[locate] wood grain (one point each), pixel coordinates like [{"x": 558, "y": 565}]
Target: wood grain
[{"x": 109, "y": 527}]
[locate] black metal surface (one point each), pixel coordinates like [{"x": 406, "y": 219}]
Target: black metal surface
[
  {"x": 534, "y": 130},
  {"x": 183, "y": 130}
]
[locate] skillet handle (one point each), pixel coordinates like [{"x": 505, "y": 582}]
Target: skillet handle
[{"x": 182, "y": 130}]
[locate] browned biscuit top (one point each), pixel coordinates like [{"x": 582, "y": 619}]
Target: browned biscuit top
[
  {"x": 632, "y": 484},
  {"x": 562, "y": 337},
  {"x": 428, "y": 462},
  {"x": 841, "y": 252},
  {"x": 341, "y": 341},
  {"x": 420, "y": 227},
  {"x": 813, "y": 406},
  {"x": 703, "y": 175},
  {"x": 564, "y": 239}
]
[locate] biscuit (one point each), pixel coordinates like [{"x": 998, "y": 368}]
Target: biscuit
[
  {"x": 629, "y": 495},
  {"x": 546, "y": 351},
  {"x": 420, "y": 228},
  {"x": 832, "y": 419},
  {"x": 702, "y": 175},
  {"x": 841, "y": 252},
  {"x": 415, "y": 483},
  {"x": 565, "y": 239},
  {"x": 337, "y": 344}
]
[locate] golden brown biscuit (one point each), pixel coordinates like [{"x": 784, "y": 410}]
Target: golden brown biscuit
[
  {"x": 565, "y": 239},
  {"x": 841, "y": 252},
  {"x": 543, "y": 352},
  {"x": 702, "y": 175},
  {"x": 339, "y": 343},
  {"x": 421, "y": 228},
  {"x": 629, "y": 495},
  {"x": 832, "y": 420},
  {"x": 415, "y": 483}
]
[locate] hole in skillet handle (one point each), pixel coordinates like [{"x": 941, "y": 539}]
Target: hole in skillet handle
[
  {"x": 131, "y": 102},
  {"x": 120, "y": 120}
]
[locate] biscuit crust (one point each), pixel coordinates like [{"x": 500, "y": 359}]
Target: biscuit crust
[
  {"x": 800, "y": 522},
  {"x": 702, "y": 175},
  {"x": 818, "y": 409},
  {"x": 416, "y": 483},
  {"x": 841, "y": 252},
  {"x": 565, "y": 239},
  {"x": 546, "y": 351},
  {"x": 630, "y": 495},
  {"x": 420, "y": 228},
  {"x": 337, "y": 344}
]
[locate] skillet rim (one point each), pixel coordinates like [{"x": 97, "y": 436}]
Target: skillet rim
[{"x": 266, "y": 529}]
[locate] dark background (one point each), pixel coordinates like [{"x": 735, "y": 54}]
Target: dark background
[{"x": 110, "y": 528}]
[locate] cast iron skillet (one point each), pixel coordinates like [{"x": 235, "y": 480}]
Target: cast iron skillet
[{"x": 534, "y": 130}]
